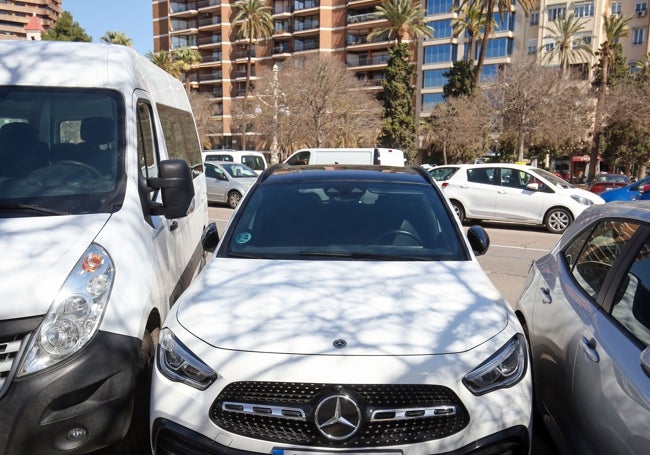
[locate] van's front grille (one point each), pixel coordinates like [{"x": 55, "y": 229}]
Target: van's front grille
[
  {"x": 378, "y": 415},
  {"x": 13, "y": 333},
  {"x": 9, "y": 347}
]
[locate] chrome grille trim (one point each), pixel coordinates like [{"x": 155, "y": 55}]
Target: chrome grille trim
[
  {"x": 264, "y": 410},
  {"x": 8, "y": 352},
  {"x": 412, "y": 413}
]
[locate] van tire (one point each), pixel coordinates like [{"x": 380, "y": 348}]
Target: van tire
[{"x": 136, "y": 439}]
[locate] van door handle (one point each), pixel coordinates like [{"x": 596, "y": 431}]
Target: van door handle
[
  {"x": 589, "y": 346},
  {"x": 173, "y": 225},
  {"x": 546, "y": 295}
]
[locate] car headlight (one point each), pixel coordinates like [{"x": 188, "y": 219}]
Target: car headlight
[
  {"x": 581, "y": 199},
  {"x": 179, "y": 364},
  {"x": 74, "y": 316},
  {"x": 503, "y": 369}
]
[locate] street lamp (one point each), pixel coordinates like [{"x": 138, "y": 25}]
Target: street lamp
[{"x": 274, "y": 141}]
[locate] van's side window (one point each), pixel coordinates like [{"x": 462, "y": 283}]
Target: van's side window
[
  {"x": 180, "y": 134},
  {"x": 300, "y": 158},
  {"x": 147, "y": 147}
]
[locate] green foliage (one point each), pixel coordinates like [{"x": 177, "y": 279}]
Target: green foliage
[
  {"x": 405, "y": 18},
  {"x": 113, "y": 37},
  {"x": 399, "y": 119},
  {"x": 459, "y": 79},
  {"x": 66, "y": 29},
  {"x": 617, "y": 70}
]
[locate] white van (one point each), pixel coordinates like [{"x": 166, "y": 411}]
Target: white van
[
  {"x": 254, "y": 160},
  {"x": 100, "y": 232},
  {"x": 380, "y": 156}
]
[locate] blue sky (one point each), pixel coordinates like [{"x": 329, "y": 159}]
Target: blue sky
[{"x": 133, "y": 17}]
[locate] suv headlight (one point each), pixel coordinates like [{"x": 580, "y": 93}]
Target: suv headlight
[
  {"x": 179, "y": 364},
  {"x": 581, "y": 199},
  {"x": 75, "y": 314},
  {"x": 503, "y": 369}
]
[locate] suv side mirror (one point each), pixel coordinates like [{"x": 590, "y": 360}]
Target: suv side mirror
[{"x": 175, "y": 181}]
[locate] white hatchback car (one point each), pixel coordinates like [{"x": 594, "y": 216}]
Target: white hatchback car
[
  {"x": 513, "y": 193},
  {"x": 343, "y": 311}
]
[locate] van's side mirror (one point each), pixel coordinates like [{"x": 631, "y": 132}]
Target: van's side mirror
[
  {"x": 177, "y": 187},
  {"x": 210, "y": 238},
  {"x": 479, "y": 239}
]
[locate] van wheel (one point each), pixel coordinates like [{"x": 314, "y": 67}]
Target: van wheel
[
  {"x": 136, "y": 439},
  {"x": 233, "y": 199},
  {"x": 557, "y": 220}
]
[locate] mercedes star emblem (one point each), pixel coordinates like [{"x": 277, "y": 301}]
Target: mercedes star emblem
[{"x": 338, "y": 417}]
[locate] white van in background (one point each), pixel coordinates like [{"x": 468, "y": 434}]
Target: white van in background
[
  {"x": 100, "y": 232},
  {"x": 254, "y": 160},
  {"x": 379, "y": 156}
]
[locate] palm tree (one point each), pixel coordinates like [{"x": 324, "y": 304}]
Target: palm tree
[
  {"x": 503, "y": 6},
  {"x": 187, "y": 58},
  {"x": 469, "y": 18},
  {"x": 567, "y": 49},
  {"x": 112, "y": 37},
  {"x": 405, "y": 18},
  {"x": 615, "y": 29},
  {"x": 163, "y": 60},
  {"x": 256, "y": 23}
]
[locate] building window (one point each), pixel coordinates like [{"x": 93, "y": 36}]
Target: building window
[
  {"x": 638, "y": 36},
  {"x": 306, "y": 23},
  {"x": 641, "y": 7},
  {"x": 431, "y": 100},
  {"x": 579, "y": 39},
  {"x": 583, "y": 9},
  {"x": 490, "y": 73},
  {"x": 556, "y": 12},
  {"x": 439, "y": 6},
  {"x": 503, "y": 25},
  {"x": 434, "y": 78},
  {"x": 440, "y": 54},
  {"x": 617, "y": 8},
  {"x": 534, "y": 18},
  {"x": 498, "y": 47},
  {"x": 441, "y": 29},
  {"x": 532, "y": 46}
]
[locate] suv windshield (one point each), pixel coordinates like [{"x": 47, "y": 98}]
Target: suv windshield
[
  {"x": 60, "y": 151},
  {"x": 345, "y": 220}
]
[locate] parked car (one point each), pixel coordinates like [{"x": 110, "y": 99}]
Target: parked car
[
  {"x": 608, "y": 182},
  {"x": 586, "y": 310},
  {"x": 227, "y": 182},
  {"x": 627, "y": 193},
  {"x": 253, "y": 159},
  {"x": 513, "y": 193},
  {"x": 343, "y": 310}
]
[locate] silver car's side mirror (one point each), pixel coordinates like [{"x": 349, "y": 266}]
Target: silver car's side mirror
[{"x": 645, "y": 360}]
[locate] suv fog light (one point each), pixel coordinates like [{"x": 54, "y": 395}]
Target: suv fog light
[{"x": 77, "y": 434}]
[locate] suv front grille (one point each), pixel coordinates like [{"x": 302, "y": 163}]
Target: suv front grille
[{"x": 389, "y": 414}]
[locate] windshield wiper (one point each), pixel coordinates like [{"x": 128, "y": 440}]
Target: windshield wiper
[
  {"x": 35, "y": 208},
  {"x": 358, "y": 255}
]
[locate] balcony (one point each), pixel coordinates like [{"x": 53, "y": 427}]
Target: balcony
[
  {"x": 305, "y": 45},
  {"x": 300, "y": 5},
  {"x": 244, "y": 54},
  {"x": 360, "y": 18},
  {"x": 209, "y": 21},
  {"x": 209, "y": 40},
  {"x": 357, "y": 60},
  {"x": 183, "y": 9},
  {"x": 204, "y": 4}
]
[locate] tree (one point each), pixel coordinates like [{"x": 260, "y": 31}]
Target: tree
[
  {"x": 471, "y": 20},
  {"x": 203, "y": 110},
  {"x": 399, "y": 119},
  {"x": 163, "y": 60},
  {"x": 186, "y": 58},
  {"x": 615, "y": 28},
  {"x": 256, "y": 23},
  {"x": 112, "y": 37},
  {"x": 66, "y": 29},
  {"x": 503, "y": 7},
  {"x": 459, "y": 79},
  {"x": 405, "y": 19},
  {"x": 567, "y": 49}
]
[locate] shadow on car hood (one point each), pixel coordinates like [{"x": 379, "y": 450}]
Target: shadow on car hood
[{"x": 378, "y": 308}]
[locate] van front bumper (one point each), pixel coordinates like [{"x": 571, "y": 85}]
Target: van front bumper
[{"x": 78, "y": 406}]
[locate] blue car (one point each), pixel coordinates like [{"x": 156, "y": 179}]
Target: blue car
[{"x": 628, "y": 193}]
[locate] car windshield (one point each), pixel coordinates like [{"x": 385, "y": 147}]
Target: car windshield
[
  {"x": 239, "y": 171},
  {"x": 345, "y": 220},
  {"x": 552, "y": 178},
  {"x": 60, "y": 151}
]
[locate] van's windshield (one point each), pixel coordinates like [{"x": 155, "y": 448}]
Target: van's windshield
[{"x": 61, "y": 151}]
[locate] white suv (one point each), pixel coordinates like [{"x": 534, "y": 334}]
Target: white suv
[
  {"x": 513, "y": 193},
  {"x": 344, "y": 311}
]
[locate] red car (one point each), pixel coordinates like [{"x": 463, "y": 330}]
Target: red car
[{"x": 605, "y": 182}]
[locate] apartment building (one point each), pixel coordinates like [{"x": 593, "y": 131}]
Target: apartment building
[
  {"x": 15, "y": 15},
  {"x": 341, "y": 27}
]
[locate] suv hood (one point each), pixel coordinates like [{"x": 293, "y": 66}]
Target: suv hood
[
  {"x": 378, "y": 308},
  {"x": 38, "y": 253}
]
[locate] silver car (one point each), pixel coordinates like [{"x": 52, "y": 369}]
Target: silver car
[
  {"x": 228, "y": 182},
  {"x": 586, "y": 311}
]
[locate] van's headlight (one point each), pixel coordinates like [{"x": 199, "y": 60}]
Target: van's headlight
[
  {"x": 75, "y": 314},
  {"x": 503, "y": 369},
  {"x": 179, "y": 364}
]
